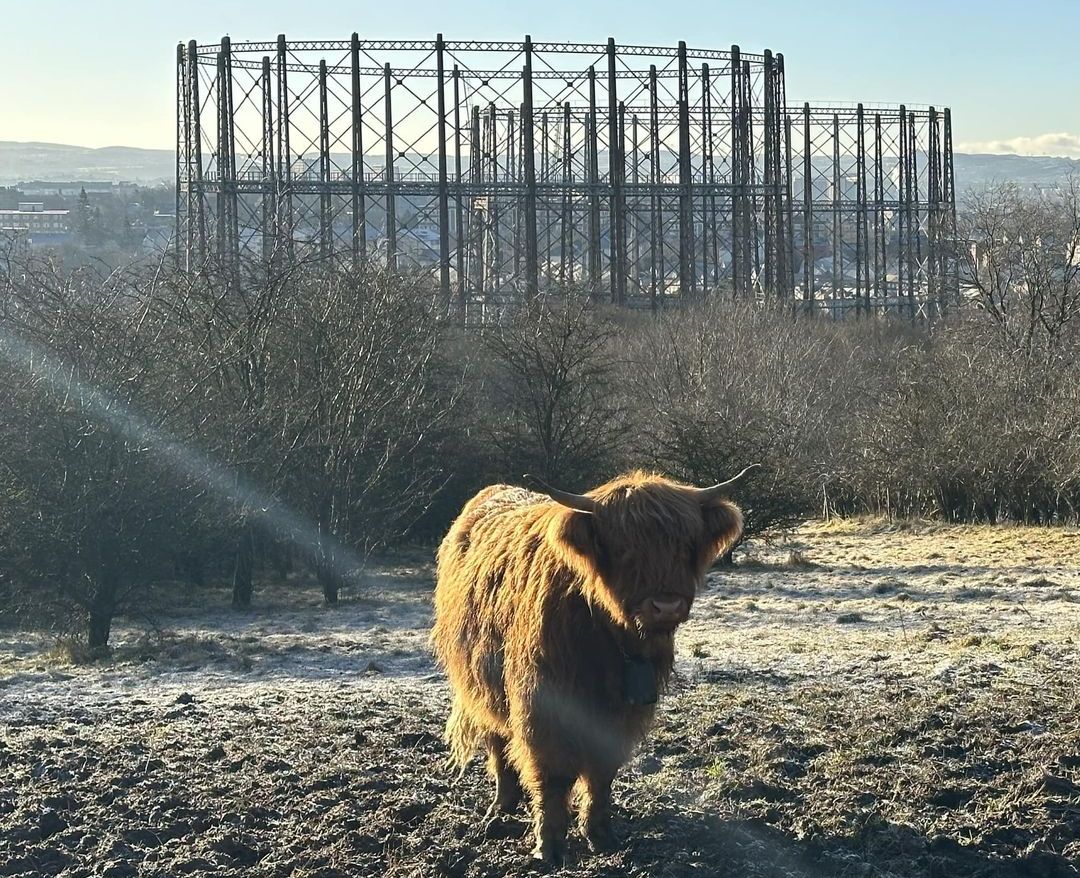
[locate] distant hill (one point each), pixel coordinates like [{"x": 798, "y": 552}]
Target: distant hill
[
  {"x": 1029, "y": 172},
  {"x": 53, "y": 161}
]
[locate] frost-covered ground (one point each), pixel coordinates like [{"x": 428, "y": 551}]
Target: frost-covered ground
[{"x": 861, "y": 700}]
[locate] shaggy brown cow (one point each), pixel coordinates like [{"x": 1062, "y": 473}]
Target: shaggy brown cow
[{"x": 554, "y": 618}]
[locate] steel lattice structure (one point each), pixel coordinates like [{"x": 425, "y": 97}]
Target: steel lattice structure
[
  {"x": 874, "y": 185},
  {"x": 645, "y": 174}
]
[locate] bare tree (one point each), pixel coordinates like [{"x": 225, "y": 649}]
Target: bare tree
[
  {"x": 553, "y": 403},
  {"x": 728, "y": 384},
  {"x": 1023, "y": 264},
  {"x": 367, "y": 403},
  {"x": 229, "y": 336},
  {"x": 86, "y": 506}
]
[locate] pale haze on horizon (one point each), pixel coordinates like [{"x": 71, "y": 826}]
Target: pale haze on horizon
[{"x": 102, "y": 74}]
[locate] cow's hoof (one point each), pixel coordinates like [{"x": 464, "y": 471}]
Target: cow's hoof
[
  {"x": 602, "y": 839},
  {"x": 504, "y": 826},
  {"x": 551, "y": 852},
  {"x": 499, "y": 809}
]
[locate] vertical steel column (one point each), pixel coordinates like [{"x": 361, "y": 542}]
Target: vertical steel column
[
  {"x": 444, "y": 188},
  {"x": 285, "y": 222},
  {"x": 770, "y": 175},
  {"x": 750, "y": 175},
  {"x": 808, "y": 212},
  {"x": 901, "y": 214},
  {"x": 635, "y": 231},
  {"x": 614, "y": 187},
  {"x": 881, "y": 256},
  {"x": 183, "y": 141},
  {"x": 951, "y": 279},
  {"x": 739, "y": 265},
  {"x": 232, "y": 194},
  {"x": 326, "y": 216},
  {"x": 839, "y": 281},
  {"x": 713, "y": 213},
  {"x": 656, "y": 242},
  {"x": 222, "y": 218},
  {"x": 861, "y": 285},
  {"x": 620, "y": 216},
  {"x": 459, "y": 209},
  {"x": 912, "y": 229},
  {"x": 545, "y": 177},
  {"x": 269, "y": 178},
  {"x": 706, "y": 175},
  {"x": 388, "y": 173},
  {"x": 528, "y": 159},
  {"x": 476, "y": 223},
  {"x": 593, "y": 182},
  {"x": 513, "y": 176},
  {"x": 933, "y": 197},
  {"x": 714, "y": 221},
  {"x": 917, "y": 207},
  {"x": 788, "y": 214},
  {"x": 545, "y": 150},
  {"x": 495, "y": 265},
  {"x": 686, "y": 217},
  {"x": 784, "y": 234},
  {"x": 196, "y": 197},
  {"x": 566, "y": 243},
  {"x": 359, "y": 206}
]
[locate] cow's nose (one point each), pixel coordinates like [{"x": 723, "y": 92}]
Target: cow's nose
[{"x": 669, "y": 610}]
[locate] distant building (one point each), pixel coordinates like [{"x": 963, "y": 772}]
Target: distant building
[
  {"x": 157, "y": 231},
  {"x": 67, "y": 188},
  {"x": 40, "y": 226}
]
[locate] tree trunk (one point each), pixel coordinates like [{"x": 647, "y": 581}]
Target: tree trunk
[
  {"x": 327, "y": 565},
  {"x": 282, "y": 559},
  {"x": 329, "y": 578},
  {"x": 102, "y": 606},
  {"x": 191, "y": 567},
  {"x": 101, "y": 610},
  {"x": 242, "y": 586},
  {"x": 99, "y": 624}
]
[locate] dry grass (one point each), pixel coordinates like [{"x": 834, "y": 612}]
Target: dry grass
[{"x": 867, "y": 699}]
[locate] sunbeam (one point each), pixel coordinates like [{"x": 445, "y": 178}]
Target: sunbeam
[{"x": 225, "y": 483}]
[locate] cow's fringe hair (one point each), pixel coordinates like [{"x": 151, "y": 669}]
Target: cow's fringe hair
[{"x": 462, "y": 737}]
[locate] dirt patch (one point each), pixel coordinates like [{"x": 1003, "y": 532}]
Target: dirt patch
[{"x": 900, "y": 702}]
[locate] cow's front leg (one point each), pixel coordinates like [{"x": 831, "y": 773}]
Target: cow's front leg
[
  {"x": 595, "y": 813},
  {"x": 549, "y": 795}
]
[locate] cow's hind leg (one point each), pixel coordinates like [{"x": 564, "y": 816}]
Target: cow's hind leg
[
  {"x": 507, "y": 785},
  {"x": 549, "y": 795},
  {"x": 595, "y": 814}
]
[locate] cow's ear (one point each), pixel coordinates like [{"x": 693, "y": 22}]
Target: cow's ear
[
  {"x": 573, "y": 535},
  {"x": 724, "y": 526}
]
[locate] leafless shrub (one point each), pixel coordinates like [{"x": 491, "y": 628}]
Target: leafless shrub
[
  {"x": 155, "y": 422},
  {"x": 369, "y": 401},
  {"x": 86, "y": 506},
  {"x": 554, "y": 406},
  {"x": 729, "y": 384},
  {"x": 1022, "y": 267}
]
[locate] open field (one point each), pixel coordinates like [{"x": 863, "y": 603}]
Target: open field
[{"x": 863, "y": 699}]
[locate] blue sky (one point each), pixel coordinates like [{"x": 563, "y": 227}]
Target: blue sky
[{"x": 100, "y": 72}]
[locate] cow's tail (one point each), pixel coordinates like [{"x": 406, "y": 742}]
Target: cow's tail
[{"x": 462, "y": 736}]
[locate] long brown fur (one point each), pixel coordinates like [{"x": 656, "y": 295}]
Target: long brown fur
[{"x": 535, "y": 621}]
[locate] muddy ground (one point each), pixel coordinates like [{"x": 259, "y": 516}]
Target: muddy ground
[{"x": 862, "y": 699}]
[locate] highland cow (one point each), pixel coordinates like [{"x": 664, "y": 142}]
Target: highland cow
[{"x": 555, "y": 617}]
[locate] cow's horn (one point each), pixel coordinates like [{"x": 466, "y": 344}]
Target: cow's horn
[
  {"x": 704, "y": 495},
  {"x": 580, "y": 502}
]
